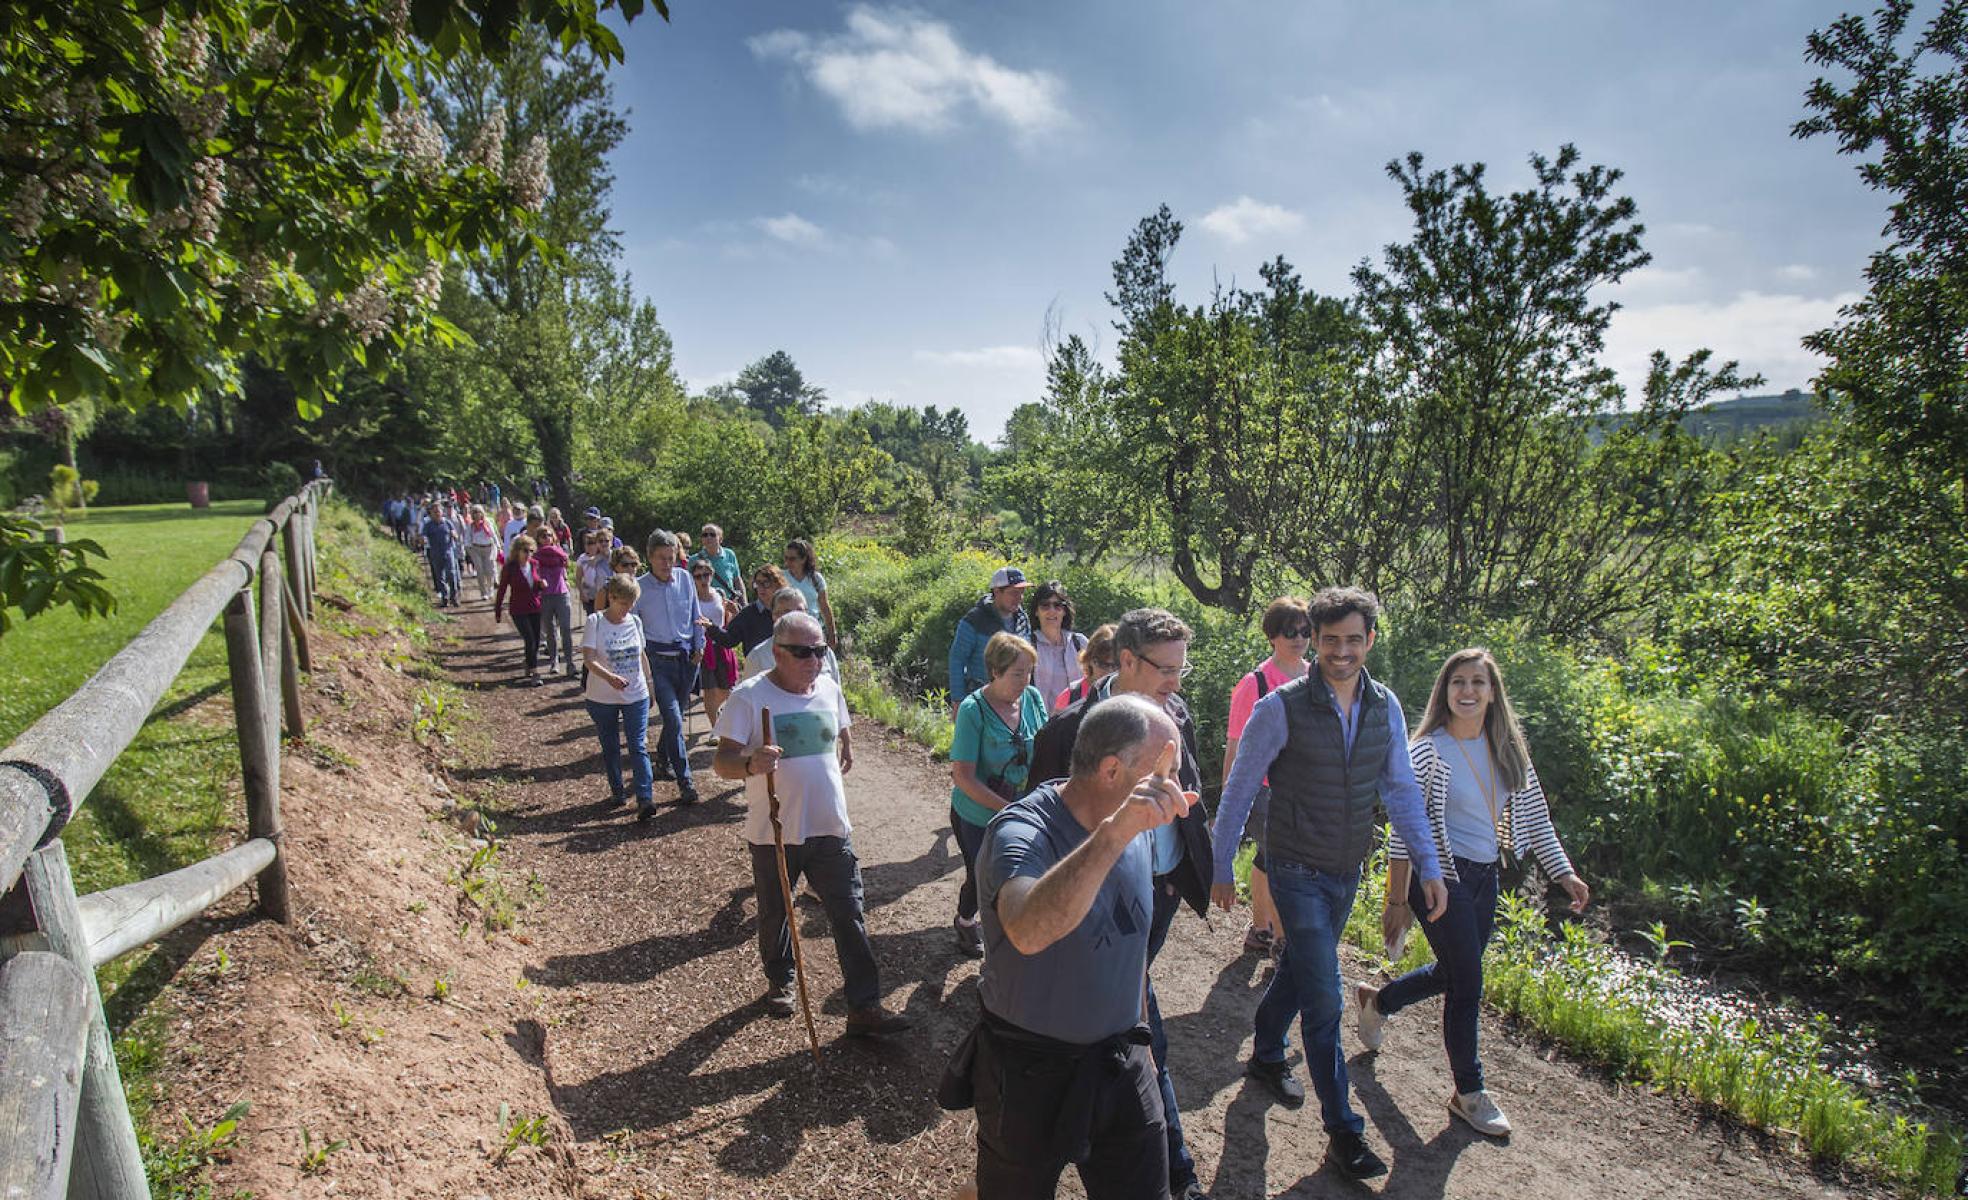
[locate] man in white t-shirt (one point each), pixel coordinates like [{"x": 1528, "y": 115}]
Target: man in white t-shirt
[{"x": 807, "y": 746}]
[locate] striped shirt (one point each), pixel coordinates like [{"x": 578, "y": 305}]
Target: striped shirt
[{"x": 1526, "y": 816}]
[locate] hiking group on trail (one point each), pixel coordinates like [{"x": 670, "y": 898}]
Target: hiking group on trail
[{"x": 1075, "y": 803}]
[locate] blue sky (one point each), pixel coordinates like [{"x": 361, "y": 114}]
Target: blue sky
[{"x": 898, "y": 196}]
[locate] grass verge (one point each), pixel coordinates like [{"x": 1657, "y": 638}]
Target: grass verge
[
  {"x": 1603, "y": 1008},
  {"x": 926, "y": 721}
]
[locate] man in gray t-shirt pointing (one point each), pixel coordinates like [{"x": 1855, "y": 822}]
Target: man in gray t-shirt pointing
[{"x": 1063, "y": 1071}]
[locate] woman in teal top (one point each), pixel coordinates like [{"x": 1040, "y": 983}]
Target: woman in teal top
[{"x": 990, "y": 753}]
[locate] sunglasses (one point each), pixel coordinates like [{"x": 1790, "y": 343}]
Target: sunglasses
[
  {"x": 799, "y": 651},
  {"x": 1297, "y": 631}
]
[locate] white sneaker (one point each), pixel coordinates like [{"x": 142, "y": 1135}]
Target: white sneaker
[
  {"x": 1372, "y": 1023},
  {"x": 1480, "y": 1112}
]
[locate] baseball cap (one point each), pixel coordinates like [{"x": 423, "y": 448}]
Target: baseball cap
[
  {"x": 593, "y": 512},
  {"x": 1007, "y": 577}
]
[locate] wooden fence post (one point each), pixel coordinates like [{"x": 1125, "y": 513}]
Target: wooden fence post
[
  {"x": 259, "y": 765},
  {"x": 108, "y": 1162},
  {"x": 296, "y": 629},
  {"x": 290, "y": 667},
  {"x": 290, "y": 537},
  {"x": 44, "y": 1036}
]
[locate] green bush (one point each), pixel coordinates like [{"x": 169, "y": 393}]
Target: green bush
[{"x": 279, "y": 481}]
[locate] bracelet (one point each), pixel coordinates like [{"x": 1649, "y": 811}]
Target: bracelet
[{"x": 1397, "y": 904}]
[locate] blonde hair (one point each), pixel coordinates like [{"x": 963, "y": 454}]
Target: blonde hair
[
  {"x": 1509, "y": 755},
  {"x": 1003, "y": 650},
  {"x": 524, "y": 544},
  {"x": 622, "y": 555},
  {"x": 620, "y": 586}
]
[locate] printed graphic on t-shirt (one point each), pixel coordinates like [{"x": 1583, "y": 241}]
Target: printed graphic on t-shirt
[
  {"x": 624, "y": 649},
  {"x": 1124, "y": 920},
  {"x": 805, "y": 734}
]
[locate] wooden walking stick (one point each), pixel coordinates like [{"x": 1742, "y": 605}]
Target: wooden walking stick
[{"x": 786, "y": 892}]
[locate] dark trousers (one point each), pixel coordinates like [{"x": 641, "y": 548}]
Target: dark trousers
[
  {"x": 611, "y": 721},
  {"x": 1020, "y": 1092},
  {"x": 1181, "y": 1165},
  {"x": 670, "y": 676},
  {"x": 970, "y": 841},
  {"x": 1458, "y": 940},
  {"x": 528, "y": 625},
  {"x": 830, "y": 867}
]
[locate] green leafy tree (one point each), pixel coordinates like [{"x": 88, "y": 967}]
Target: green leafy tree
[
  {"x": 1899, "y": 357},
  {"x": 535, "y": 315},
  {"x": 776, "y": 392},
  {"x": 1488, "y": 326}
]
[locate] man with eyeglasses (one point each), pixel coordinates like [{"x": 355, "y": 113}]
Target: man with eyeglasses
[
  {"x": 809, "y": 749},
  {"x": 1152, "y": 646},
  {"x": 1334, "y": 744}
]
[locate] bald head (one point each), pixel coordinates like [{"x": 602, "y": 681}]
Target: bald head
[{"x": 1124, "y": 726}]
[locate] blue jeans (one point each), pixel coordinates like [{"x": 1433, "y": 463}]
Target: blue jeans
[
  {"x": 1312, "y": 911},
  {"x": 1181, "y": 1165},
  {"x": 669, "y": 688},
  {"x": 1458, "y": 940},
  {"x": 610, "y": 722}
]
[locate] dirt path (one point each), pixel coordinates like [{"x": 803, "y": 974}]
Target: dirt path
[{"x": 674, "y": 1082}]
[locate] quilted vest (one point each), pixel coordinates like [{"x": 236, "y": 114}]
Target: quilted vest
[{"x": 1325, "y": 803}]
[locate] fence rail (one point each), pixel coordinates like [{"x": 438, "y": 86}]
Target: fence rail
[{"x": 65, "y": 1128}]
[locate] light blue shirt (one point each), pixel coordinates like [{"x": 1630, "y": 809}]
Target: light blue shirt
[{"x": 669, "y": 611}]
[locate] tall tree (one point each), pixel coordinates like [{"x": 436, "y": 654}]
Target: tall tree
[
  {"x": 776, "y": 391},
  {"x": 1899, "y": 357},
  {"x": 543, "y": 107},
  {"x": 1488, "y": 325}
]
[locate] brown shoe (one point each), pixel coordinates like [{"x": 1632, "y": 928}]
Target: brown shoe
[{"x": 875, "y": 1021}]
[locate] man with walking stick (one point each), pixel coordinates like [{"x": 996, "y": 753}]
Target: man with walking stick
[{"x": 806, "y": 752}]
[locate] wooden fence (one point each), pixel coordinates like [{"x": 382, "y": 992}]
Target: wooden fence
[{"x": 64, "y": 1126}]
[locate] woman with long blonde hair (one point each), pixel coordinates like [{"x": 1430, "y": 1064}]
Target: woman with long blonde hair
[{"x": 1483, "y": 801}]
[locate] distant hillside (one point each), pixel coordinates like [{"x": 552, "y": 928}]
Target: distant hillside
[{"x": 1748, "y": 416}]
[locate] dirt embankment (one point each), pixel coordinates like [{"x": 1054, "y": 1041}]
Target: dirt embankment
[{"x": 617, "y": 1023}]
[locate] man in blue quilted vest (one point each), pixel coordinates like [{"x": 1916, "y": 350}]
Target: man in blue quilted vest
[{"x": 1334, "y": 744}]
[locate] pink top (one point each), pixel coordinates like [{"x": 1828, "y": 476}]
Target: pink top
[
  {"x": 1243, "y": 697},
  {"x": 550, "y": 562}
]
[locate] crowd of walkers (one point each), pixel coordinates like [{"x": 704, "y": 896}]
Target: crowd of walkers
[{"x": 1075, "y": 804}]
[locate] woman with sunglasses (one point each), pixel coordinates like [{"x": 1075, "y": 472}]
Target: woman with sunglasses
[
  {"x": 1058, "y": 646},
  {"x": 803, "y": 572},
  {"x": 990, "y": 757},
  {"x": 751, "y": 626},
  {"x": 718, "y": 673},
  {"x": 1288, "y": 626}
]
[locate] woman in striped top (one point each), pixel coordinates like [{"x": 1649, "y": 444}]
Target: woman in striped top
[{"x": 1482, "y": 797}]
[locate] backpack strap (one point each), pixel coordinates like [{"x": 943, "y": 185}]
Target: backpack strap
[{"x": 1263, "y": 682}]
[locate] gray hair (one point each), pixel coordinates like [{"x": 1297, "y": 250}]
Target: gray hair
[
  {"x": 536, "y": 513},
  {"x": 1117, "y": 726},
  {"x": 795, "y": 621},
  {"x": 1141, "y": 628},
  {"x": 659, "y": 539},
  {"x": 790, "y": 593}
]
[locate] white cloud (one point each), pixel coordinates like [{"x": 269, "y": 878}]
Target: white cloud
[
  {"x": 995, "y": 358},
  {"x": 792, "y": 229},
  {"x": 897, "y": 69},
  {"x": 1763, "y": 331},
  {"x": 1797, "y": 273},
  {"x": 1244, "y": 218}
]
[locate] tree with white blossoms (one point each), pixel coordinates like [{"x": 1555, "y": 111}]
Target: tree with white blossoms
[{"x": 191, "y": 181}]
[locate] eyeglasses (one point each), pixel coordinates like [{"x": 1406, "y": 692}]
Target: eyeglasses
[
  {"x": 800, "y": 651},
  {"x": 1181, "y": 672},
  {"x": 1059, "y": 604}
]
